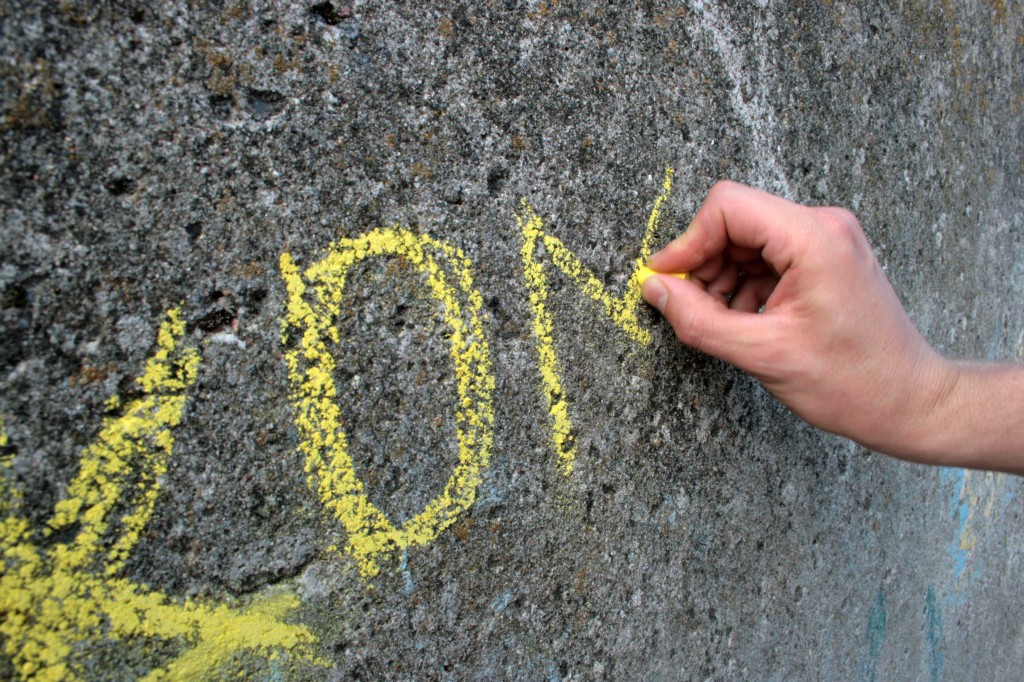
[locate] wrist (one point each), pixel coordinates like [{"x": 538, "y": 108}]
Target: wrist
[
  {"x": 940, "y": 435},
  {"x": 926, "y": 413},
  {"x": 981, "y": 421}
]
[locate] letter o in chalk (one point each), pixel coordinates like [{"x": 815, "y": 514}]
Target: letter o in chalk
[{"x": 309, "y": 328}]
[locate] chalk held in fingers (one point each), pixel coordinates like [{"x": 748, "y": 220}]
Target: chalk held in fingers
[{"x": 646, "y": 273}]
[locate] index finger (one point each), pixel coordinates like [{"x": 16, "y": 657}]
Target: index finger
[{"x": 734, "y": 216}]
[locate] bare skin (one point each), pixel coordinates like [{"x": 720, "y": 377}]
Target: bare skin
[{"x": 795, "y": 296}]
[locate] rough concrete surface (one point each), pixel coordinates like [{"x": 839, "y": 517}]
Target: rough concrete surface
[{"x": 164, "y": 155}]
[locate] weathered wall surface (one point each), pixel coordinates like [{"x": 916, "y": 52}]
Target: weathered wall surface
[{"x": 322, "y": 356}]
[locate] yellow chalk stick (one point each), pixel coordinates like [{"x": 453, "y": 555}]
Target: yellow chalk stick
[{"x": 645, "y": 272}]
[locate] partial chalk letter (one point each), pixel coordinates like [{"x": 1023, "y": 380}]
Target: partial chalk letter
[
  {"x": 621, "y": 309},
  {"x": 311, "y": 325}
]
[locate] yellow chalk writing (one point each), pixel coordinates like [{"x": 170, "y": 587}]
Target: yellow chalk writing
[
  {"x": 62, "y": 586},
  {"x": 621, "y": 309},
  {"x": 314, "y": 300},
  {"x": 10, "y": 497},
  {"x": 141, "y": 436},
  {"x": 56, "y": 596}
]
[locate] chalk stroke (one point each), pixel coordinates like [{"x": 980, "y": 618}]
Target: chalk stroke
[
  {"x": 310, "y": 324},
  {"x": 10, "y": 497},
  {"x": 749, "y": 98},
  {"x": 876, "y": 631},
  {"x": 935, "y": 636},
  {"x": 141, "y": 436},
  {"x": 620, "y": 309},
  {"x": 56, "y": 596},
  {"x": 972, "y": 501}
]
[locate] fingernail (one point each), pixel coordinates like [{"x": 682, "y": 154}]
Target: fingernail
[
  {"x": 655, "y": 293},
  {"x": 684, "y": 236},
  {"x": 674, "y": 244}
]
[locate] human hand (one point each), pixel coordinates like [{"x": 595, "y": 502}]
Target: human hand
[{"x": 795, "y": 296}]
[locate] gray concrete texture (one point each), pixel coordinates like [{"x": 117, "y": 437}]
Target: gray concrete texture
[{"x": 167, "y": 153}]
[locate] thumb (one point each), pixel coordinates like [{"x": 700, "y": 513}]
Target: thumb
[{"x": 703, "y": 322}]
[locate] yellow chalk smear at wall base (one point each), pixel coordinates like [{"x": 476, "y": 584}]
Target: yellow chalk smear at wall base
[
  {"x": 62, "y": 593},
  {"x": 645, "y": 273}
]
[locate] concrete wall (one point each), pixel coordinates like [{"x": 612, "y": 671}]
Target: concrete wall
[{"x": 322, "y": 356}]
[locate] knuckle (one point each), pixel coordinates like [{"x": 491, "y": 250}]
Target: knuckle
[
  {"x": 721, "y": 188},
  {"x": 841, "y": 221},
  {"x": 690, "y": 332},
  {"x": 844, "y": 232}
]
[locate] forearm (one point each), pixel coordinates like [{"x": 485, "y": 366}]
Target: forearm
[{"x": 979, "y": 422}]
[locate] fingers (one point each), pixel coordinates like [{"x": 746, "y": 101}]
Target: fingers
[
  {"x": 723, "y": 285},
  {"x": 708, "y": 271},
  {"x": 737, "y": 286},
  {"x": 753, "y": 293},
  {"x": 744, "y": 222},
  {"x": 703, "y": 321}
]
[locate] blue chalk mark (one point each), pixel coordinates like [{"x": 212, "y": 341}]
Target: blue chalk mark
[
  {"x": 956, "y": 550},
  {"x": 876, "y": 629},
  {"x": 960, "y": 510},
  {"x": 956, "y": 479},
  {"x": 408, "y": 587},
  {"x": 275, "y": 672},
  {"x": 935, "y": 636},
  {"x": 501, "y": 602},
  {"x": 1008, "y": 497},
  {"x": 954, "y": 599}
]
